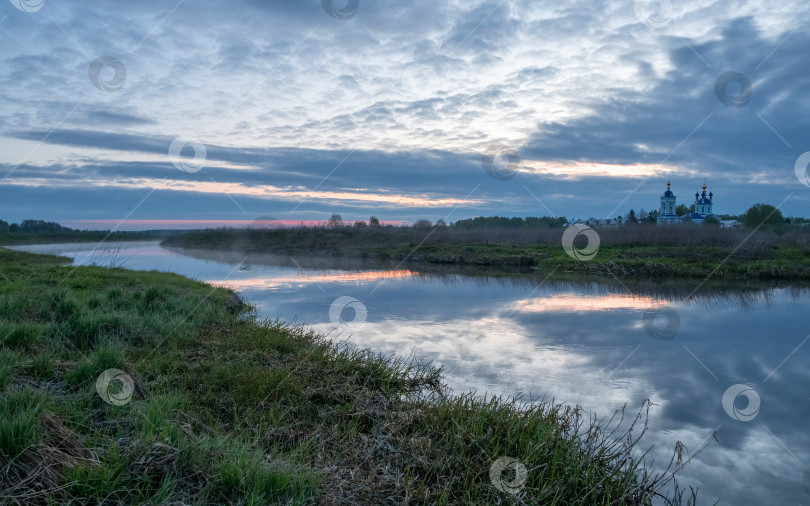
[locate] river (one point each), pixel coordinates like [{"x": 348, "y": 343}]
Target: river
[{"x": 724, "y": 359}]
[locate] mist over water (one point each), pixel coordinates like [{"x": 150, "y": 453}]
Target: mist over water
[{"x": 596, "y": 342}]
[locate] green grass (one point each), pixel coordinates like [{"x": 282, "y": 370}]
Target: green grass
[
  {"x": 635, "y": 251},
  {"x": 226, "y": 409}
]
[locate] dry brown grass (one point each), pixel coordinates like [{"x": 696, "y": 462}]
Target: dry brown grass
[
  {"x": 36, "y": 475},
  {"x": 688, "y": 235}
]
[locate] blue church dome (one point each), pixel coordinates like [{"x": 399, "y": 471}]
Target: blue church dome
[{"x": 668, "y": 193}]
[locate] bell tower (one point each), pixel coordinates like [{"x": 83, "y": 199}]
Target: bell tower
[{"x": 666, "y": 212}]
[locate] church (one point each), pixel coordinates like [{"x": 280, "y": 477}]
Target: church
[{"x": 704, "y": 207}]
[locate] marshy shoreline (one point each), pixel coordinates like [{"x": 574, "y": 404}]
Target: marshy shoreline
[
  {"x": 225, "y": 408},
  {"x": 639, "y": 251}
]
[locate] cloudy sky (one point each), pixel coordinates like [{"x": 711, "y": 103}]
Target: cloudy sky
[{"x": 176, "y": 112}]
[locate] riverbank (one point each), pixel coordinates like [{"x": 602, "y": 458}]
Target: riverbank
[
  {"x": 227, "y": 409},
  {"x": 641, "y": 251}
]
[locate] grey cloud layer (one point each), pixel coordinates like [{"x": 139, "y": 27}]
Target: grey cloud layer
[{"x": 419, "y": 89}]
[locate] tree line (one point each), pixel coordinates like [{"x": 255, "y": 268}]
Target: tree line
[
  {"x": 480, "y": 222},
  {"x": 33, "y": 227},
  {"x": 758, "y": 215}
]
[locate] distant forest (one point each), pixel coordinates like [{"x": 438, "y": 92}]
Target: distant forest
[
  {"x": 499, "y": 222},
  {"x": 34, "y": 227},
  {"x": 50, "y": 228}
]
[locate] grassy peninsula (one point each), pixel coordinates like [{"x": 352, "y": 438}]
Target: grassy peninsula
[
  {"x": 641, "y": 250},
  {"x": 225, "y": 408}
]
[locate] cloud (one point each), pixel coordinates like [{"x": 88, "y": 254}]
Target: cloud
[
  {"x": 680, "y": 119},
  {"x": 589, "y": 96}
]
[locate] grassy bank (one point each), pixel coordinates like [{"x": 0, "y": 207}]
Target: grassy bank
[
  {"x": 228, "y": 409},
  {"x": 640, "y": 250}
]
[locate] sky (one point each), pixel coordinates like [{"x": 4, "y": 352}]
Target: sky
[{"x": 176, "y": 114}]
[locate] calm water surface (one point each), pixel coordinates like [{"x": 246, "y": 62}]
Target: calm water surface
[{"x": 594, "y": 343}]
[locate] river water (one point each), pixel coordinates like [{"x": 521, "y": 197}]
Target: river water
[{"x": 726, "y": 359}]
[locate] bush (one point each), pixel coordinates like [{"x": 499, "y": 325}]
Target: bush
[
  {"x": 763, "y": 216},
  {"x": 711, "y": 221}
]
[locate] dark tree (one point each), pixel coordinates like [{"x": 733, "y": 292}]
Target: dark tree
[
  {"x": 336, "y": 221},
  {"x": 711, "y": 221},
  {"x": 509, "y": 223},
  {"x": 763, "y": 215}
]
